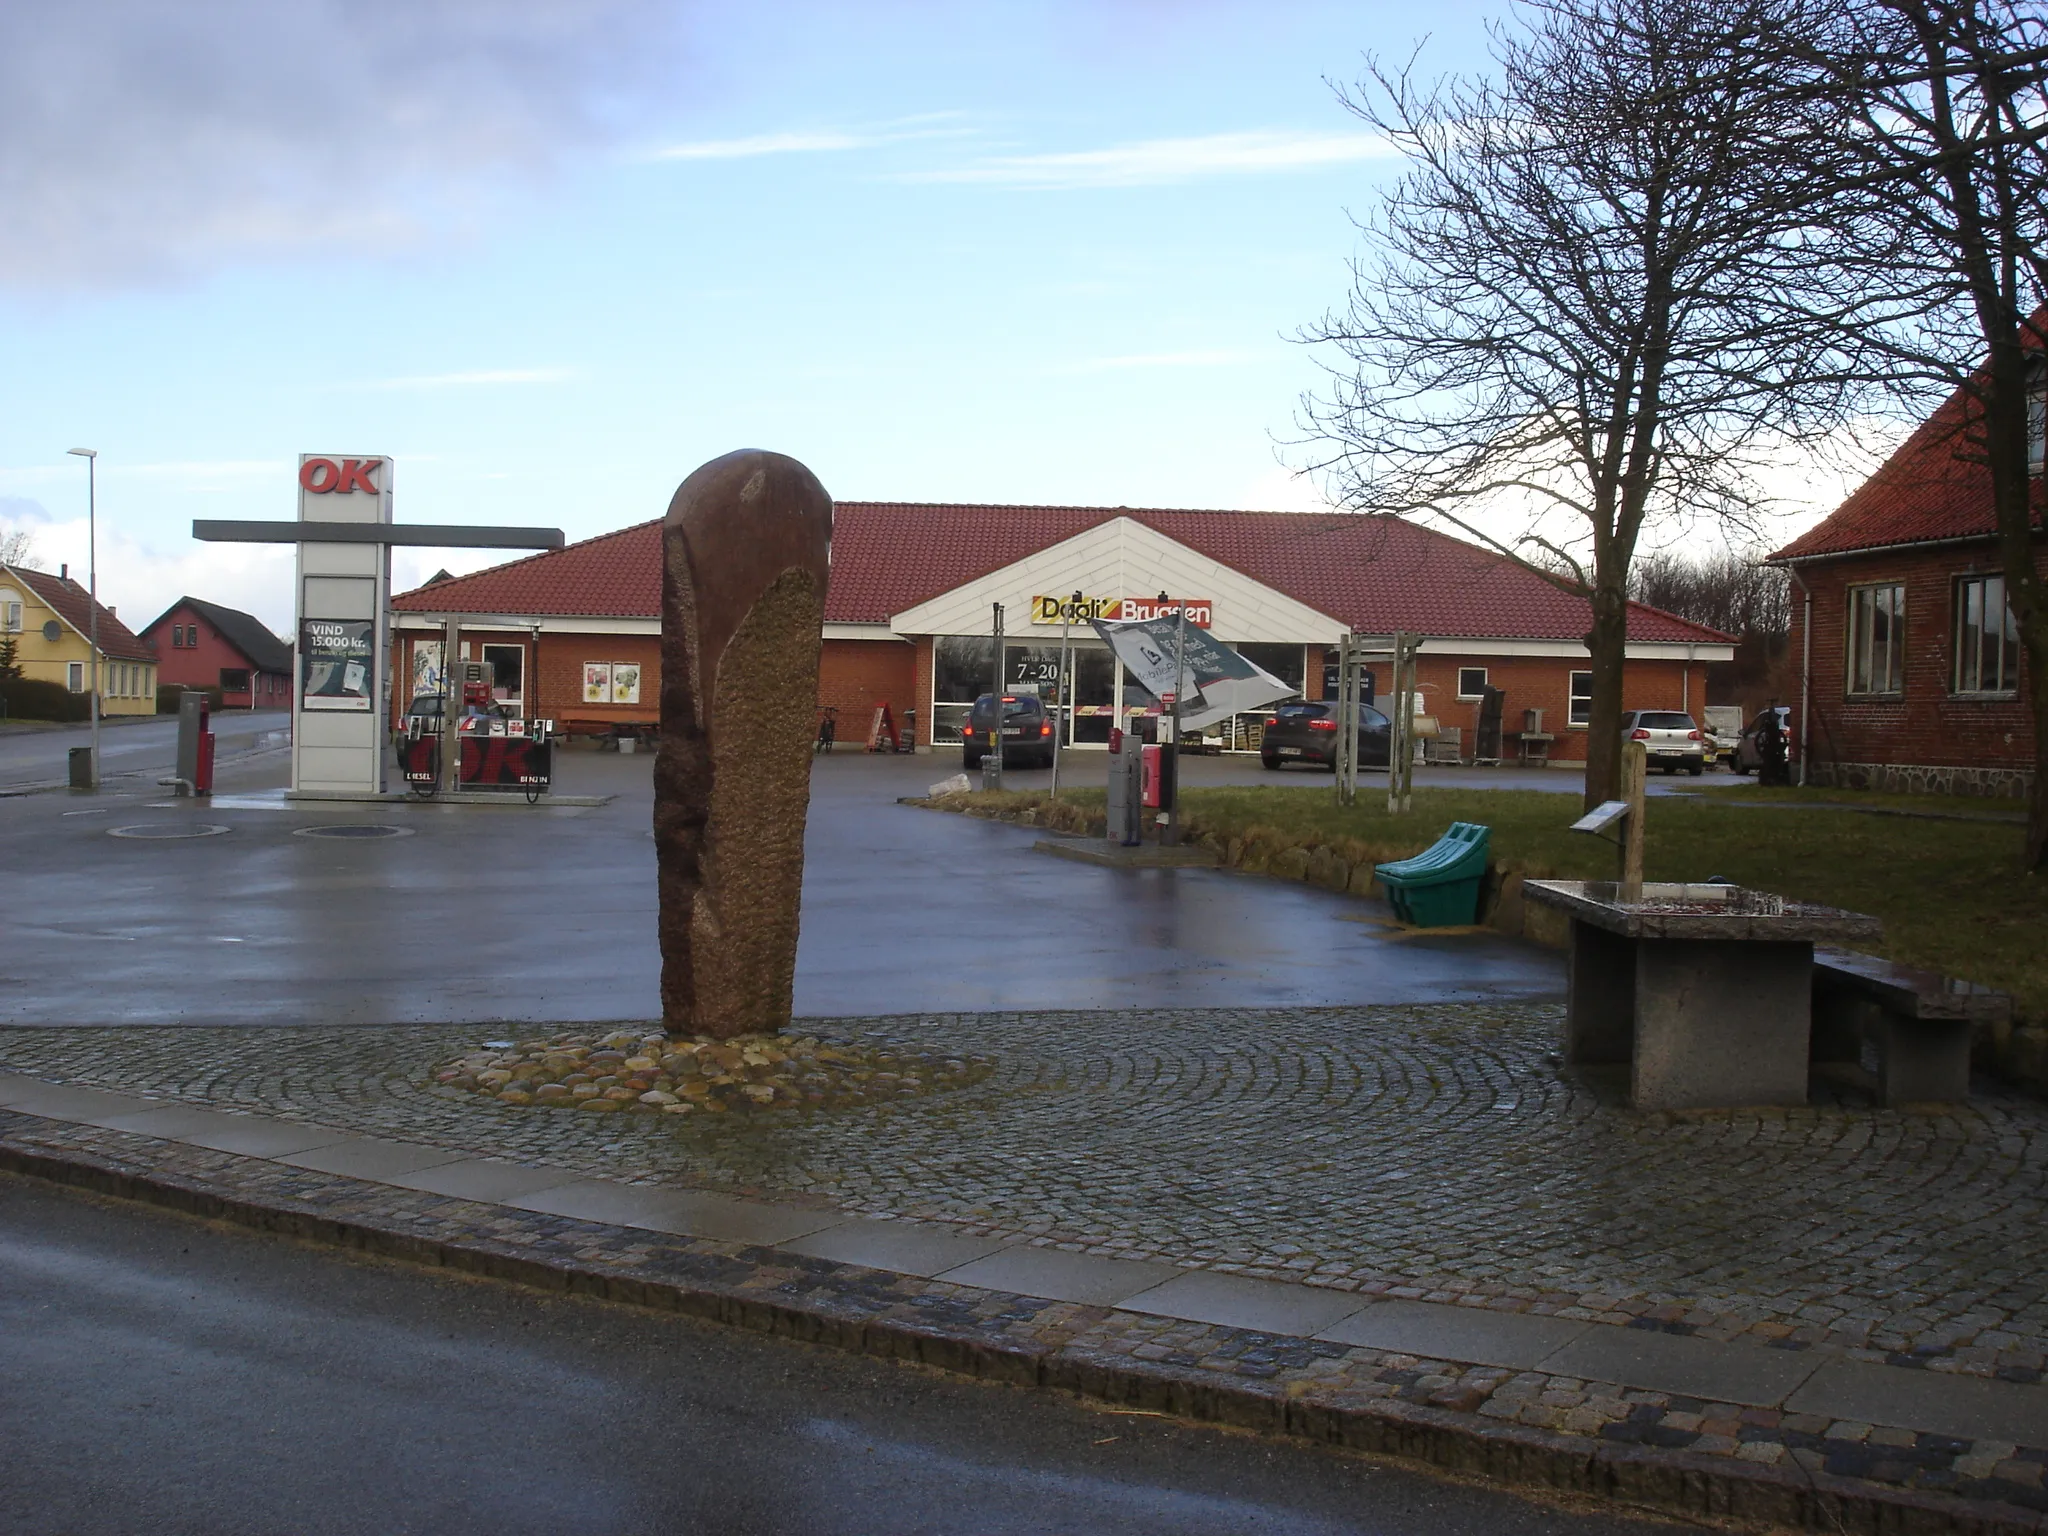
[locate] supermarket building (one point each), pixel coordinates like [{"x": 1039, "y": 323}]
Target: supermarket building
[{"x": 575, "y": 634}]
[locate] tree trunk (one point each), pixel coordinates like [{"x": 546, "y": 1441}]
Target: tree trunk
[{"x": 1608, "y": 641}]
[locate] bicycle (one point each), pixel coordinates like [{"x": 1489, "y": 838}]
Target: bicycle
[{"x": 828, "y": 727}]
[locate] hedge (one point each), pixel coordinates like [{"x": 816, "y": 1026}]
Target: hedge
[{"x": 31, "y": 698}]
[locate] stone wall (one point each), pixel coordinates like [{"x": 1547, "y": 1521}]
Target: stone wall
[{"x": 1999, "y": 781}]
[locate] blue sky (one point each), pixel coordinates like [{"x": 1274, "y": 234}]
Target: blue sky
[{"x": 550, "y": 257}]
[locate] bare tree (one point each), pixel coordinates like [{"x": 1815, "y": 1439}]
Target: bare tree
[
  {"x": 1946, "y": 106},
  {"x": 1595, "y": 299},
  {"x": 17, "y": 548},
  {"x": 1727, "y": 591}
]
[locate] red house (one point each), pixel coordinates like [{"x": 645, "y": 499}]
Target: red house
[
  {"x": 1914, "y": 678},
  {"x": 204, "y": 645}
]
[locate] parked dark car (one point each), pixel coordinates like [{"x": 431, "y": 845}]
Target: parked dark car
[
  {"x": 1307, "y": 733},
  {"x": 1748, "y": 758},
  {"x": 1672, "y": 738},
  {"x": 1027, "y": 732}
]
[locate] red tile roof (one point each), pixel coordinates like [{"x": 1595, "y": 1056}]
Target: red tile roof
[
  {"x": 71, "y": 603},
  {"x": 1927, "y": 491},
  {"x": 1375, "y": 574}
]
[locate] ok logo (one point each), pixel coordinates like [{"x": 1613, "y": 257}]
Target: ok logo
[{"x": 324, "y": 477}]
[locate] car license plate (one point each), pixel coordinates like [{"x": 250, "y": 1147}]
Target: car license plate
[{"x": 1290, "y": 751}]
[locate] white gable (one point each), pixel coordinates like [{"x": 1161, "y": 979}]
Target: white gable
[{"x": 1120, "y": 558}]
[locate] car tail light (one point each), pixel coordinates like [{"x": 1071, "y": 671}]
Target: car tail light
[
  {"x": 1694, "y": 736},
  {"x": 966, "y": 730},
  {"x": 1271, "y": 721},
  {"x": 1322, "y": 725},
  {"x": 1638, "y": 734},
  {"x": 1045, "y": 729},
  {"x": 1009, "y": 698}
]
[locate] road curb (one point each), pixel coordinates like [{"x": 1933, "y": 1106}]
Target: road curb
[{"x": 960, "y": 1330}]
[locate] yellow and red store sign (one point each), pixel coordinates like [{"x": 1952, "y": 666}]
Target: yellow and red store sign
[{"x": 1051, "y": 610}]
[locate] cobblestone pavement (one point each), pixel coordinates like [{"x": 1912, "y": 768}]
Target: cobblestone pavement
[{"x": 1435, "y": 1152}]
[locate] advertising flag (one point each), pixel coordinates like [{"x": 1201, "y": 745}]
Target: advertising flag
[{"x": 1214, "y": 683}]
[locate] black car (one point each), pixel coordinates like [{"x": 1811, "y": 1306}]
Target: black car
[
  {"x": 1307, "y": 733},
  {"x": 1027, "y": 732}
]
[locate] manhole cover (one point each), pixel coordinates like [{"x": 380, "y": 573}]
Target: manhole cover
[
  {"x": 353, "y": 831},
  {"x": 163, "y": 829}
]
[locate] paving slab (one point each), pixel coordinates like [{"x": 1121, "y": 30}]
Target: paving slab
[
  {"x": 362, "y": 1158},
  {"x": 726, "y": 1220},
  {"x": 173, "y": 1122},
  {"x": 900, "y": 1246},
  {"x": 1749, "y": 1374},
  {"x": 1516, "y": 1340},
  {"x": 1933, "y": 1402},
  {"x": 60, "y": 1101},
  {"x": 1234, "y": 1301},
  {"x": 250, "y": 1136},
  {"x": 1060, "y": 1276},
  {"x": 479, "y": 1179}
]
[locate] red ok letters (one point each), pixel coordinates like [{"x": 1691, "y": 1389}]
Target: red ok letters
[{"x": 324, "y": 477}]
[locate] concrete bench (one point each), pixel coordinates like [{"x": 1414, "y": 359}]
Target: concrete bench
[{"x": 1920, "y": 1024}]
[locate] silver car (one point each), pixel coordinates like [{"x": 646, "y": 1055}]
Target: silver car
[{"x": 1673, "y": 739}]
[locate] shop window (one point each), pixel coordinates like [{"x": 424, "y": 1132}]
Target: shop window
[
  {"x": 1581, "y": 712},
  {"x": 1877, "y": 639},
  {"x": 1471, "y": 682},
  {"x": 1032, "y": 669},
  {"x": 508, "y": 673},
  {"x": 962, "y": 667},
  {"x": 1289, "y": 663},
  {"x": 1987, "y": 637}
]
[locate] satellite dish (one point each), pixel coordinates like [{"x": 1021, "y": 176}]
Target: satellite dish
[{"x": 53, "y": 630}]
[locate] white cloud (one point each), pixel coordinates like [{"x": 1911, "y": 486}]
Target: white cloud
[
  {"x": 481, "y": 376},
  {"x": 925, "y": 125},
  {"x": 1158, "y": 162},
  {"x": 141, "y": 141}
]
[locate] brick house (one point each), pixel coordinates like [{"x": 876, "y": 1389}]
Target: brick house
[
  {"x": 205, "y": 645},
  {"x": 49, "y": 618},
  {"x": 1913, "y": 674},
  {"x": 909, "y": 620}
]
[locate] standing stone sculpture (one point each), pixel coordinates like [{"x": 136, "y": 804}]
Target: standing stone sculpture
[{"x": 746, "y": 556}]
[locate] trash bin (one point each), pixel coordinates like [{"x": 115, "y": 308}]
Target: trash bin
[{"x": 81, "y": 767}]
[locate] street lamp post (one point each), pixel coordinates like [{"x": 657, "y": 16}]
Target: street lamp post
[
  {"x": 1063, "y": 707},
  {"x": 92, "y": 589}
]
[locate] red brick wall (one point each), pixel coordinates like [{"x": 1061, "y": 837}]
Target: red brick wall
[
  {"x": 200, "y": 666},
  {"x": 1926, "y": 724},
  {"x": 856, "y": 675}
]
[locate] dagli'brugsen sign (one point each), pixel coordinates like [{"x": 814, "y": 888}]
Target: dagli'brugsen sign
[{"x": 1121, "y": 610}]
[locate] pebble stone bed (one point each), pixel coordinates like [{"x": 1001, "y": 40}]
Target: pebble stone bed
[
  {"x": 649, "y": 1073},
  {"x": 1437, "y": 1152}
]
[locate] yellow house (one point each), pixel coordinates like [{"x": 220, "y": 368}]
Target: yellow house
[{"x": 49, "y": 618}]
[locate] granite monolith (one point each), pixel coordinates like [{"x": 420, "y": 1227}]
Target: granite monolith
[{"x": 746, "y": 554}]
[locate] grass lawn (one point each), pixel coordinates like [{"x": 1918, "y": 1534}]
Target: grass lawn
[{"x": 1950, "y": 892}]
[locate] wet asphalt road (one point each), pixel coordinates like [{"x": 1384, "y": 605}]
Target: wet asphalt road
[
  {"x": 515, "y": 914},
  {"x": 160, "y": 1376},
  {"x": 134, "y": 754}
]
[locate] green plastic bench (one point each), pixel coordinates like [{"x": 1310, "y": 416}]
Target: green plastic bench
[{"x": 1439, "y": 887}]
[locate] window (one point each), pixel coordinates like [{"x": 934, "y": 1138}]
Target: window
[
  {"x": 1987, "y": 637},
  {"x": 2037, "y": 415},
  {"x": 508, "y": 675},
  {"x": 1471, "y": 682},
  {"x": 10, "y": 614},
  {"x": 1286, "y": 662},
  {"x": 1877, "y": 639},
  {"x": 1582, "y": 699},
  {"x": 234, "y": 679},
  {"x": 74, "y": 676},
  {"x": 962, "y": 668}
]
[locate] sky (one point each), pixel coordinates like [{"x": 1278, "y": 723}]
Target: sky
[{"x": 551, "y": 255}]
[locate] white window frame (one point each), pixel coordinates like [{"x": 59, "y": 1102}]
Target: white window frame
[
  {"x": 1867, "y": 673},
  {"x": 74, "y": 676},
  {"x": 10, "y": 616},
  {"x": 1573, "y": 699},
  {"x": 1481, "y": 692},
  {"x": 1967, "y": 678}
]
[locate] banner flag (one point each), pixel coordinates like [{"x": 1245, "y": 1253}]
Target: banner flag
[{"x": 1215, "y": 682}]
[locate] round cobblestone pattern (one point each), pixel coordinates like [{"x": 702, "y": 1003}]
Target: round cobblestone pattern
[{"x": 1436, "y": 1152}]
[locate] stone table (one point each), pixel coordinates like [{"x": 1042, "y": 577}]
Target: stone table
[{"x": 1705, "y": 991}]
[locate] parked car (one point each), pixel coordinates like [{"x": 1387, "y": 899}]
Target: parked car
[
  {"x": 1027, "y": 732},
  {"x": 1307, "y": 733},
  {"x": 1673, "y": 738},
  {"x": 1747, "y": 758},
  {"x": 1723, "y": 725}
]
